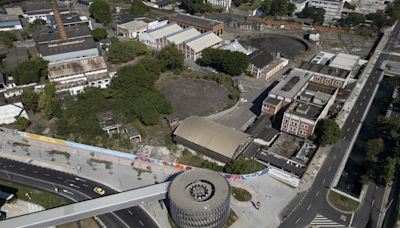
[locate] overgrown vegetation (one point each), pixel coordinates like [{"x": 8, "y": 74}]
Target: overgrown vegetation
[
  {"x": 99, "y": 34},
  {"x": 227, "y": 82},
  {"x": 7, "y": 38},
  {"x": 241, "y": 194},
  {"x": 138, "y": 8},
  {"x": 30, "y": 71},
  {"x": 232, "y": 63},
  {"x": 124, "y": 51},
  {"x": 314, "y": 13},
  {"x": 171, "y": 59},
  {"x": 327, "y": 132},
  {"x": 277, "y": 8},
  {"x": 61, "y": 153},
  {"x": 22, "y": 123}
]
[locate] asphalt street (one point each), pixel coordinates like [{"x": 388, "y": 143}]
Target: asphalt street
[
  {"x": 314, "y": 202},
  {"x": 74, "y": 189}
]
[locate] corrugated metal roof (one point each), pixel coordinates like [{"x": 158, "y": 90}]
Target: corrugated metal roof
[
  {"x": 345, "y": 61},
  {"x": 76, "y": 67},
  {"x": 203, "y": 41},
  {"x": 164, "y": 31},
  {"x": 9, "y": 113},
  {"x": 133, "y": 25},
  {"x": 211, "y": 135},
  {"x": 183, "y": 35}
]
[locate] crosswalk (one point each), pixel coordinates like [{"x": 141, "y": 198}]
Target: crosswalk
[{"x": 322, "y": 222}]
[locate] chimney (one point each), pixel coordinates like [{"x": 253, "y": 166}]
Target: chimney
[{"x": 59, "y": 22}]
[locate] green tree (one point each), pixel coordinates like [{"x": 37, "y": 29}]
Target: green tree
[
  {"x": 125, "y": 51},
  {"x": 353, "y": 19},
  {"x": 170, "y": 58},
  {"x": 30, "y": 100},
  {"x": 349, "y": 6},
  {"x": 196, "y": 6},
  {"x": 30, "y": 71},
  {"x": 380, "y": 20},
  {"x": 99, "y": 34},
  {"x": 314, "y": 13},
  {"x": 373, "y": 148},
  {"x": 242, "y": 165},
  {"x": 280, "y": 8},
  {"x": 39, "y": 22},
  {"x": 327, "y": 132},
  {"x": 394, "y": 11},
  {"x": 7, "y": 38},
  {"x": 22, "y": 123},
  {"x": 47, "y": 101},
  {"x": 233, "y": 63},
  {"x": 266, "y": 7},
  {"x": 100, "y": 10},
  {"x": 389, "y": 169},
  {"x": 138, "y": 8}
]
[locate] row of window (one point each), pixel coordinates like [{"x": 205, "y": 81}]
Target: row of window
[
  {"x": 294, "y": 123},
  {"x": 327, "y": 81}
]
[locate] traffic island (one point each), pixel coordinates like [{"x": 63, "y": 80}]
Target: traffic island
[{"x": 341, "y": 202}]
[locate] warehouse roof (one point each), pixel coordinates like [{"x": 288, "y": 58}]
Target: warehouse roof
[
  {"x": 345, "y": 61},
  {"x": 203, "y": 41},
  {"x": 182, "y": 35},
  {"x": 9, "y": 113},
  {"x": 164, "y": 30},
  {"x": 211, "y": 135},
  {"x": 55, "y": 48},
  {"x": 44, "y": 34},
  {"x": 133, "y": 24},
  {"x": 76, "y": 67},
  {"x": 292, "y": 84},
  {"x": 324, "y": 69}
]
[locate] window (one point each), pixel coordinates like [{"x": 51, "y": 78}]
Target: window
[
  {"x": 327, "y": 81},
  {"x": 317, "y": 78},
  {"x": 338, "y": 83},
  {"x": 302, "y": 132},
  {"x": 304, "y": 126},
  {"x": 284, "y": 126},
  {"x": 286, "y": 120}
]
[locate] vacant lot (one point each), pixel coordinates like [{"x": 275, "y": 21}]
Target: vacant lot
[{"x": 195, "y": 97}]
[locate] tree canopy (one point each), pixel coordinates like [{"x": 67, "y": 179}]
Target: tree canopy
[
  {"x": 30, "y": 71},
  {"x": 196, "y": 6},
  {"x": 327, "y": 132},
  {"x": 233, "y": 63},
  {"x": 279, "y": 8},
  {"x": 100, "y": 10},
  {"x": 124, "y": 51},
  {"x": 373, "y": 148},
  {"x": 99, "y": 34},
  {"x": 353, "y": 19},
  {"x": 30, "y": 100},
  {"x": 22, "y": 123},
  {"x": 47, "y": 102},
  {"x": 314, "y": 13},
  {"x": 138, "y": 8},
  {"x": 7, "y": 38},
  {"x": 170, "y": 58}
]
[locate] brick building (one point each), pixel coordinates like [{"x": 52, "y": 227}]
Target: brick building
[{"x": 201, "y": 24}]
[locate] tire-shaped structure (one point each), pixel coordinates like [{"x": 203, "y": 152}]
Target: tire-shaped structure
[{"x": 199, "y": 198}]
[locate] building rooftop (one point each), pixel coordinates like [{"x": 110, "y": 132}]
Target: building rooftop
[
  {"x": 14, "y": 11},
  {"x": 76, "y": 67},
  {"x": 194, "y": 20},
  {"x": 164, "y": 30},
  {"x": 182, "y": 35},
  {"x": 236, "y": 46},
  {"x": 305, "y": 110},
  {"x": 271, "y": 101},
  {"x": 41, "y": 7},
  {"x": 16, "y": 56},
  {"x": 9, "y": 113},
  {"x": 324, "y": 69},
  {"x": 4, "y": 18},
  {"x": 131, "y": 131},
  {"x": 211, "y": 135},
  {"x": 322, "y": 58},
  {"x": 133, "y": 24},
  {"x": 45, "y": 34},
  {"x": 261, "y": 58},
  {"x": 345, "y": 61},
  {"x": 107, "y": 118},
  {"x": 203, "y": 41},
  {"x": 55, "y": 48},
  {"x": 292, "y": 84}
]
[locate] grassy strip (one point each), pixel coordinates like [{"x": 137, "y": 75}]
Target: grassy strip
[
  {"x": 241, "y": 194},
  {"x": 42, "y": 198},
  {"x": 108, "y": 164},
  {"x": 56, "y": 152},
  {"x": 342, "y": 202}
]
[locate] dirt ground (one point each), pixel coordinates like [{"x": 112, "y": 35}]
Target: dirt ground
[{"x": 195, "y": 97}]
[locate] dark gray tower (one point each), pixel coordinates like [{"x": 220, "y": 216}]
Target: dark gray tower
[{"x": 199, "y": 199}]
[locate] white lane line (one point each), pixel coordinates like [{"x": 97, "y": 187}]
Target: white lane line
[
  {"x": 297, "y": 220},
  {"x": 352, "y": 120},
  {"x": 361, "y": 104},
  {"x": 324, "y": 181},
  {"x": 22, "y": 169},
  {"x": 344, "y": 138},
  {"x": 130, "y": 212},
  {"x": 308, "y": 208},
  {"x": 34, "y": 171},
  {"x": 334, "y": 158},
  {"x": 357, "y": 111},
  {"x": 329, "y": 168},
  {"x": 47, "y": 175},
  {"x": 85, "y": 185},
  {"x": 364, "y": 97},
  {"x": 141, "y": 223},
  {"x": 367, "y": 89},
  {"x": 316, "y": 195},
  {"x": 60, "y": 178},
  {"x": 348, "y": 129}
]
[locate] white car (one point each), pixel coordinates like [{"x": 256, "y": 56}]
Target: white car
[{"x": 243, "y": 100}]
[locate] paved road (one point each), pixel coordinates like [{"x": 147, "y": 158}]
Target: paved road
[
  {"x": 314, "y": 202},
  {"x": 73, "y": 188}
]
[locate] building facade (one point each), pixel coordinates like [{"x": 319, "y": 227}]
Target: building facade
[
  {"x": 333, "y": 8},
  {"x": 203, "y": 25}
]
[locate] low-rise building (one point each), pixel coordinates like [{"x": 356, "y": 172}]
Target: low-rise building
[
  {"x": 203, "y": 25},
  {"x": 73, "y": 77},
  {"x": 211, "y": 140},
  {"x": 71, "y": 20},
  {"x": 45, "y": 34},
  {"x": 326, "y": 75},
  {"x": 109, "y": 122},
  {"x": 224, "y": 4},
  {"x": 66, "y": 51},
  {"x": 34, "y": 10},
  {"x": 302, "y": 115},
  {"x": 333, "y": 8},
  {"x": 130, "y": 30},
  {"x": 10, "y": 112},
  {"x": 179, "y": 37},
  {"x": 15, "y": 56},
  {"x": 193, "y": 47},
  {"x": 153, "y": 37},
  {"x": 132, "y": 133},
  {"x": 264, "y": 65},
  {"x": 236, "y": 46},
  {"x": 10, "y": 22}
]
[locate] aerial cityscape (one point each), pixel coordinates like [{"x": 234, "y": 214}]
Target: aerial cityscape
[{"x": 199, "y": 113}]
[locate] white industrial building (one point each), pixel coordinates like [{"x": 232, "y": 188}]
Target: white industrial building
[
  {"x": 130, "y": 30},
  {"x": 179, "y": 37},
  {"x": 10, "y": 112},
  {"x": 333, "y": 8},
  {"x": 74, "y": 76},
  {"x": 225, "y": 4},
  {"x": 193, "y": 47},
  {"x": 153, "y": 37}
]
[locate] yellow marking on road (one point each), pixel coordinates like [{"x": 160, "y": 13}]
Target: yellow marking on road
[{"x": 46, "y": 139}]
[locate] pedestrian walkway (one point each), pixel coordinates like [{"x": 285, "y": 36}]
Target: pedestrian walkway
[{"x": 323, "y": 222}]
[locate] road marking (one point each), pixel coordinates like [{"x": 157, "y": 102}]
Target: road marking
[
  {"x": 334, "y": 158},
  {"x": 22, "y": 169},
  {"x": 324, "y": 181},
  {"x": 67, "y": 192},
  {"x": 352, "y": 120},
  {"x": 364, "y": 97},
  {"x": 76, "y": 186},
  {"x": 141, "y": 223},
  {"x": 79, "y": 179},
  {"x": 34, "y": 171},
  {"x": 329, "y": 168},
  {"x": 11, "y": 166},
  {"x": 316, "y": 195},
  {"x": 60, "y": 178},
  {"x": 308, "y": 208},
  {"x": 344, "y": 138},
  {"x": 361, "y": 104},
  {"x": 357, "y": 111},
  {"x": 85, "y": 185},
  {"x": 348, "y": 129},
  {"x": 367, "y": 89},
  {"x": 297, "y": 220},
  {"x": 47, "y": 175},
  {"x": 130, "y": 212}
]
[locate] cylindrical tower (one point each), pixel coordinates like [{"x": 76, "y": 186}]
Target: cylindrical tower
[{"x": 199, "y": 198}]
